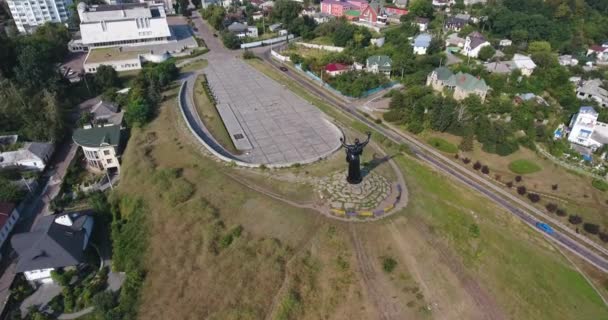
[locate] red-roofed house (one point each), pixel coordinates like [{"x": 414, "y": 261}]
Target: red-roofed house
[
  {"x": 338, "y": 8},
  {"x": 334, "y": 69},
  {"x": 395, "y": 10},
  {"x": 8, "y": 218},
  {"x": 601, "y": 52}
]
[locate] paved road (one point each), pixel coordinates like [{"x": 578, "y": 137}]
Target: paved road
[{"x": 487, "y": 188}]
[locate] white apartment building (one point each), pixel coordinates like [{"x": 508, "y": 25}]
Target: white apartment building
[
  {"x": 29, "y": 14},
  {"x": 123, "y": 24}
]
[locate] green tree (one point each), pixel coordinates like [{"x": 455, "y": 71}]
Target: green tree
[
  {"x": 422, "y": 8},
  {"x": 230, "y": 40},
  {"x": 486, "y": 53},
  {"x": 138, "y": 113},
  {"x": 196, "y": 3},
  {"x": 183, "y": 7},
  {"x": 105, "y": 78},
  {"x": 467, "y": 142},
  {"x": 343, "y": 34},
  {"x": 286, "y": 11},
  {"x": 9, "y": 192}
]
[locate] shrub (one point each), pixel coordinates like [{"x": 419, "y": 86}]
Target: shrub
[
  {"x": 510, "y": 184},
  {"x": 554, "y": 187},
  {"x": 466, "y": 160},
  {"x": 551, "y": 207},
  {"x": 497, "y": 177},
  {"x": 456, "y": 156},
  {"x": 517, "y": 178},
  {"x": 247, "y": 54},
  {"x": 485, "y": 169},
  {"x": 521, "y": 190},
  {"x": 601, "y": 185},
  {"x": 591, "y": 228},
  {"x": 574, "y": 219},
  {"x": 561, "y": 212},
  {"x": 534, "y": 197},
  {"x": 477, "y": 165},
  {"x": 474, "y": 230},
  {"x": 603, "y": 236},
  {"x": 388, "y": 264}
]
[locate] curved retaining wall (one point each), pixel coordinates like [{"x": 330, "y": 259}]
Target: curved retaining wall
[{"x": 207, "y": 142}]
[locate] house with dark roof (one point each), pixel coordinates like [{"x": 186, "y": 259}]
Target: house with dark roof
[
  {"x": 9, "y": 215},
  {"x": 455, "y": 23},
  {"x": 100, "y": 146},
  {"x": 600, "y": 53},
  {"x": 380, "y": 63},
  {"x": 461, "y": 85},
  {"x": 422, "y": 23},
  {"x": 473, "y": 44},
  {"x": 56, "y": 241},
  {"x": 106, "y": 112}
]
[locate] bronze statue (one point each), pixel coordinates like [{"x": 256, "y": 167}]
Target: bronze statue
[{"x": 353, "y": 151}]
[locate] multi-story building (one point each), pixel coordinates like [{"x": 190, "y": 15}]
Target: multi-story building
[
  {"x": 593, "y": 90},
  {"x": 100, "y": 146},
  {"x": 123, "y": 24},
  {"x": 338, "y": 8},
  {"x": 29, "y": 14}
]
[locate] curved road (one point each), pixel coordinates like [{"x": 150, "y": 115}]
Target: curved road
[{"x": 487, "y": 188}]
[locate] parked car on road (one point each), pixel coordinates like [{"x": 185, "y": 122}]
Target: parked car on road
[
  {"x": 545, "y": 227},
  {"x": 284, "y": 69}
]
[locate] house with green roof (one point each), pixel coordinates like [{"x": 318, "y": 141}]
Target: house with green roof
[
  {"x": 461, "y": 84},
  {"x": 379, "y": 63},
  {"x": 100, "y": 146}
]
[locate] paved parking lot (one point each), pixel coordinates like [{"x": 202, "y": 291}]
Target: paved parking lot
[{"x": 280, "y": 126}]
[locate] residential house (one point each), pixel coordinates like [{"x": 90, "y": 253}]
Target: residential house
[
  {"x": 237, "y": 28},
  {"x": 461, "y": 84},
  {"x": 524, "y": 64},
  {"x": 105, "y": 112},
  {"x": 472, "y": 2},
  {"x": 371, "y": 13},
  {"x": 586, "y": 131},
  {"x": 257, "y": 16},
  {"x": 380, "y": 63},
  {"x": 394, "y": 10},
  {"x": 505, "y": 43},
  {"x": 352, "y": 15},
  {"x": 500, "y": 67},
  {"x": 100, "y": 146},
  {"x": 473, "y": 44},
  {"x": 9, "y": 215},
  {"x": 31, "y": 156},
  {"x": 56, "y": 241},
  {"x": 334, "y": 69},
  {"x": 593, "y": 90},
  {"x": 453, "y": 40},
  {"x": 322, "y": 17},
  {"x": 308, "y": 11},
  {"x": 421, "y": 43},
  {"x": 422, "y": 23},
  {"x": 274, "y": 27},
  {"x": 455, "y": 24},
  {"x": 567, "y": 60},
  {"x": 600, "y": 53}
]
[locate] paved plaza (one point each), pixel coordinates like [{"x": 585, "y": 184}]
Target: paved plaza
[{"x": 266, "y": 121}]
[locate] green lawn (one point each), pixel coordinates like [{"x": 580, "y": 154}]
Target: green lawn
[
  {"x": 442, "y": 145},
  {"x": 601, "y": 185},
  {"x": 523, "y": 166},
  {"x": 211, "y": 117}
]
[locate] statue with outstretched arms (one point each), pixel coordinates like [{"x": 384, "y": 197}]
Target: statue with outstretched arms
[{"x": 353, "y": 153}]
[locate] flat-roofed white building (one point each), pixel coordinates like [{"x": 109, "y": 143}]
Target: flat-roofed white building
[
  {"x": 30, "y": 14},
  {"x": 123, "y": 24}
]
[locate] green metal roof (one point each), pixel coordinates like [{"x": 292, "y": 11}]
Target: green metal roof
[
  {"x": 443, "y": 73},
  {"x": 97, "y": 137},
  {"x": 383, "y": 62},
  {"x": 352, "y": 13},
  {"x": 469, "y": 82}
]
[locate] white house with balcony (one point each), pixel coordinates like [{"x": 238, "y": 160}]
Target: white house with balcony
[
  {"x": 100, "y": 146},
  {"x": 586, "y": 131}
]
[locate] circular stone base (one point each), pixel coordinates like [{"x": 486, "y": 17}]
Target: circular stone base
[{"x": 374, "y": 196}]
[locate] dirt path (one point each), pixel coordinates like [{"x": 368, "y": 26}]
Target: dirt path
[{"x": 385, "y": 306}]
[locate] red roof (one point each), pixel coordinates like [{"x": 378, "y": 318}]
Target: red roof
[
  {"x": 336, "y": 67},
  {"x": 597, "y": 48},
  {"x": 6, "y": 208}
]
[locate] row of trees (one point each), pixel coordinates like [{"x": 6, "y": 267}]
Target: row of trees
[{"x": 34, "y": 100}]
